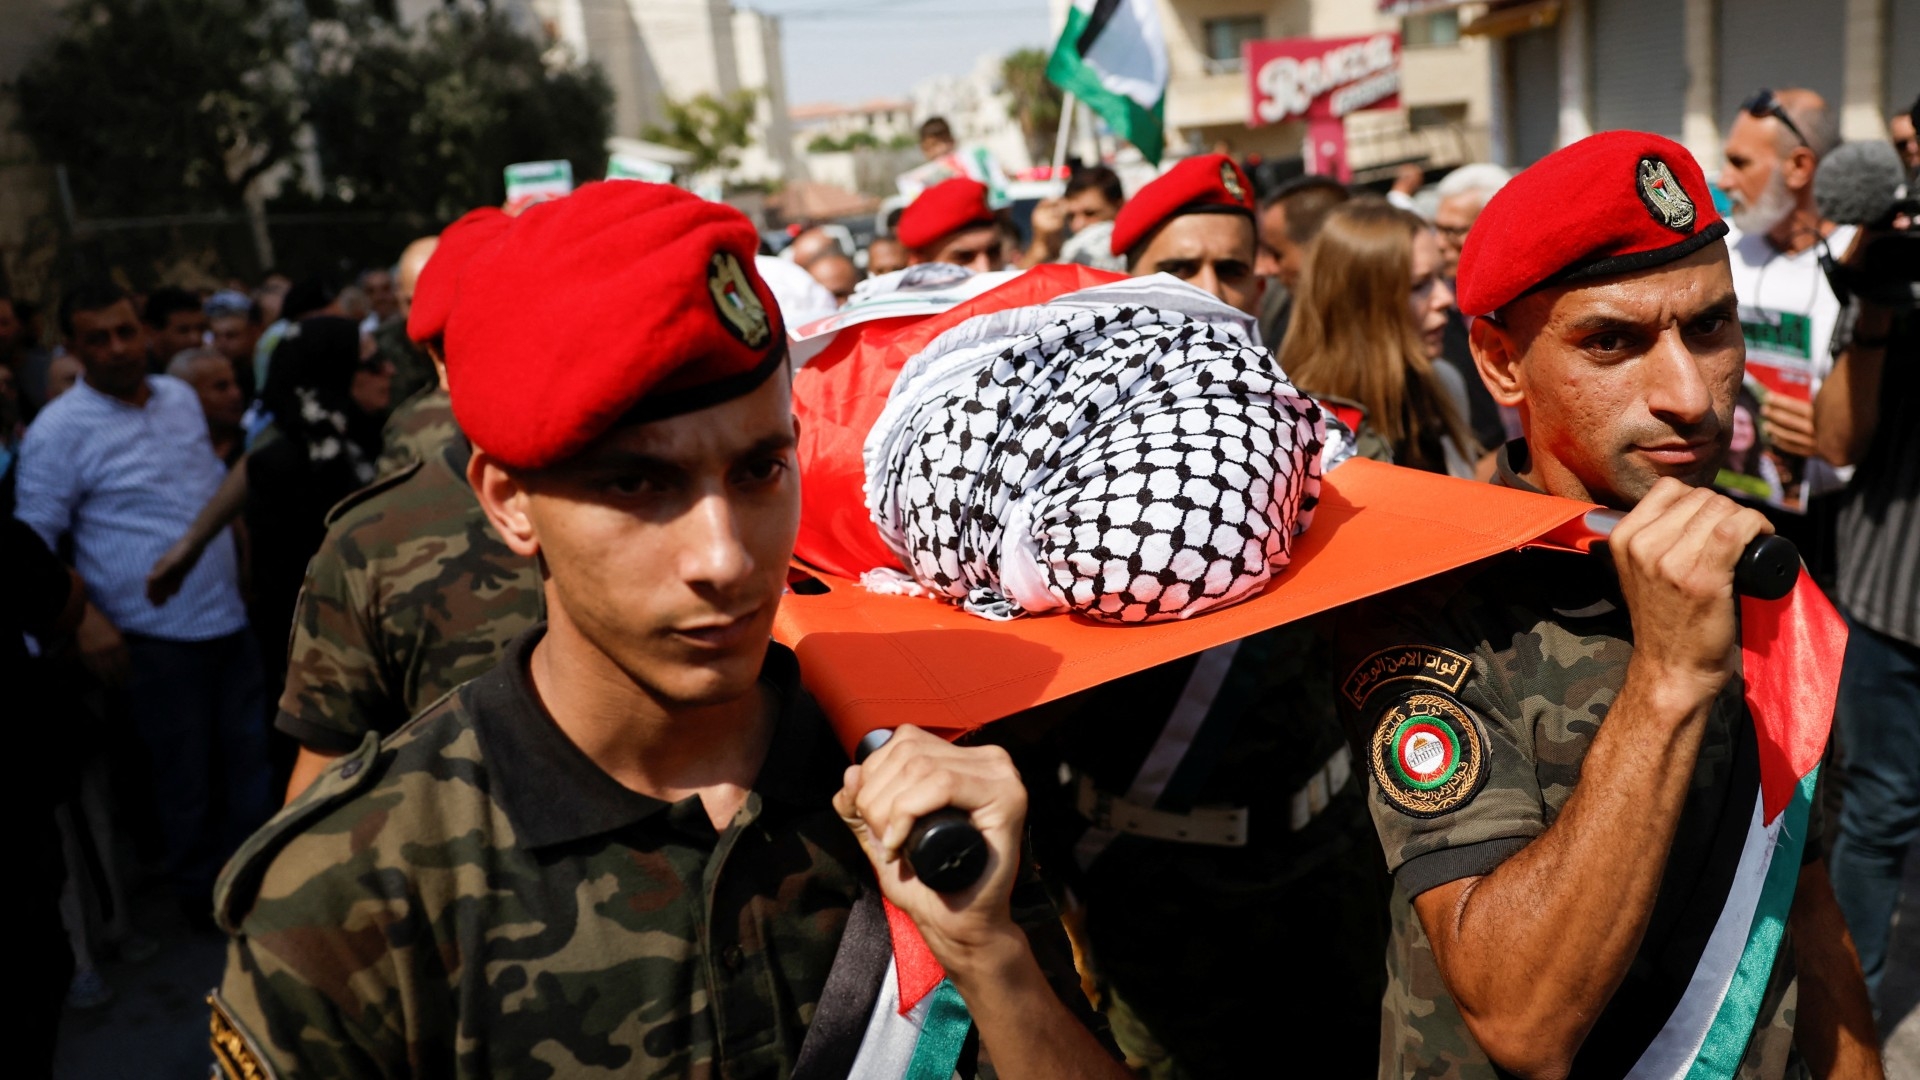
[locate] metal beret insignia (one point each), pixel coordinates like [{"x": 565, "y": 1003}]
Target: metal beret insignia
[
  {"x": 1427, "y": 754},
  {"x": 1231, "y": 181},
  {"x": 1665, "y": 199},
  {"x": 733, "y": 297}
]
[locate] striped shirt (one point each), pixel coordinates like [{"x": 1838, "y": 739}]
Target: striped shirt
[
  {"x": 1879, "y": 526},
  {"x": 126, "y": 481}
]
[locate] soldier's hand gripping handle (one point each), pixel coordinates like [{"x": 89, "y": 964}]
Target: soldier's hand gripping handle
[
  {"x": 1677, "y": 554},
  {"x": 944, "y": 849},
  {"x": 1768, "y": 567}
]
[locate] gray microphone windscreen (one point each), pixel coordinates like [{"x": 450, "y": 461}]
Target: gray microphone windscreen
[{"x": 1858, "y": 182}]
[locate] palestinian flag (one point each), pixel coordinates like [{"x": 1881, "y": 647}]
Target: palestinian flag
[
  {"x": 1790, "y": 651},
  {"x": 888, "y": 1009},
  {"x": 1113, "y": 56}
]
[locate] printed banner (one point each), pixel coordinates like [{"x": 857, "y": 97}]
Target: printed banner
[
  {"x": 1779, "y": 364},
  {"x": 1322, "y": 78},
  {"x": 530, "y": 182}
]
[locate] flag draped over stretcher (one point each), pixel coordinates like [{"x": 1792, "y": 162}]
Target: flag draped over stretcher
[
  {"x": 881, "y": 661},
  {"x": 1113, "y": 56}
]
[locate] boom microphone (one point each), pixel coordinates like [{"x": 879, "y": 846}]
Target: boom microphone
[{"x": 1860, "y": 183}]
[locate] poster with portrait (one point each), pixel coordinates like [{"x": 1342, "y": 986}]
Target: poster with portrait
[{"x": 1779, "y": 363}]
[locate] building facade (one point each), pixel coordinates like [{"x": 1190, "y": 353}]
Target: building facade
[
  {"x": 1444, "y": 97},
  {"x": 656, "y": 51},
  {"x": 1563, "y": 69}
]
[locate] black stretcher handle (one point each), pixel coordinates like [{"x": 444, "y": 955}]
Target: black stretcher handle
[
  {"x": 944, "y": 849},
  {"x": 1767, "y": 569}
]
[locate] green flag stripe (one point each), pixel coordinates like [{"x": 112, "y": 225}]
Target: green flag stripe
[
  {"x": 942, "y": 1036},
  {"x": 1067, "y": 69},
  {"x": 1726, "y": 1041}
]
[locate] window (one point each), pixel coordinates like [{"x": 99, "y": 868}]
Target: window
[
  {"x": 1432, "y": 28},
  {"x": 1226, "y": 36}
]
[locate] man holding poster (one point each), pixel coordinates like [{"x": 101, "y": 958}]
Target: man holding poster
[{"x": 1787, "y": 309}]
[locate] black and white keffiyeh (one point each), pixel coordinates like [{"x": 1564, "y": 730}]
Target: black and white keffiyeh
[{"x": 1129, "y": 462}]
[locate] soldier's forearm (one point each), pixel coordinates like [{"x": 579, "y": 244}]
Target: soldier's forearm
[
  {"x": 1026, "y": 1030},
  {"x": 1835, "y": 1030},
  {"x": 1533, "y": 951}
]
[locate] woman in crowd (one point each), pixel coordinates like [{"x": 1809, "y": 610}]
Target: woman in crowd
[
  {"x": 1368, "y": 323},
  {"x": 328, "y": 391}
]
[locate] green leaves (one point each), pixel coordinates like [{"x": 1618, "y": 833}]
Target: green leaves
[
  {"x": 177, "y": 106},
  {"x": 713, "y": 129}
]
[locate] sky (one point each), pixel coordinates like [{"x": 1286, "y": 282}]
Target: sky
[{"x": 855, "y": 50}]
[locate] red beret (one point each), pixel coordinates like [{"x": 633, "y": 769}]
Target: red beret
[
  {"x": 1612, "y": 203},
  {"x": 1210, "y": 183},
  {"x": 944, "y": 209},
  {"x": 433, "y": 292},
  {"x": 622, "y": 301}
]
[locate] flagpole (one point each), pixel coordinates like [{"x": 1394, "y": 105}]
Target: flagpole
[{"x": 1060, "y": 136}]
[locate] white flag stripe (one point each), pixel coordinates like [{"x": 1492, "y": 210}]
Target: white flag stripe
[
  {"x": 1130, "y": 55},
  {"x": 1673, "y": 1050},
  {"x": 887, "y": 1048}
]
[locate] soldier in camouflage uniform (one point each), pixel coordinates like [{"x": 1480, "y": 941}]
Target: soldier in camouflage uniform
[
  {"x": 1560, "y": 761},
  {"x": 413, "y": 366},
  {"x": 1209, "y": 825},
  {"x": 415, "y": 429},
  {"x": 412, "y": 593},
  {"x": 616, "y": 851}
]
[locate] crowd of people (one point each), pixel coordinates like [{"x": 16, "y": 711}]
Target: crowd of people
[{"x": 472, "y": 562}]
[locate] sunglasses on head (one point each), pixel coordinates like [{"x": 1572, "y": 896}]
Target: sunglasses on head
[{"x": 1763, "y": 104}]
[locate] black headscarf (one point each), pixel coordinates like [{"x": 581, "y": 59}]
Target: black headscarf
[{"x": 309, "y": 392}]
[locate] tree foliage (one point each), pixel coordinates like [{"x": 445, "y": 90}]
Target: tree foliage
[
  {"x": 1035, "y": 101},
  {"x": 429, "y": 120},
  {"x": 169, "y": 106},
  {"x": 164, "y": 106},
  {"x": 713, "y": 129},
  {"x": 855, "y": 140}
]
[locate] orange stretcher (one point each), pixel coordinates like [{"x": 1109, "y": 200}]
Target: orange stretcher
[{"x": 878, "y": 661}]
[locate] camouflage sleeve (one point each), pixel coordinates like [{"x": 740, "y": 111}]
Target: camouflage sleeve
[
  {"x": 335, "y": 683},
  {"x": 313, "y": 983},
  {"x": 272, "y": 1019},
  {"x": 1449, "y": 754}
]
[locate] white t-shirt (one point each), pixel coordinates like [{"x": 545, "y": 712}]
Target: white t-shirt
[{"x": 1775, "y": 288}]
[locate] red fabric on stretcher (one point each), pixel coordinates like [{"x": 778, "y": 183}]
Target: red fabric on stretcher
[{"x": 838, "y": 399}]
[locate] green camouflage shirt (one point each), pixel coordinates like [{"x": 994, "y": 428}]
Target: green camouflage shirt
[
  {"x": 1471, "y": 700},
  {"x": 412, "y": 594},
  {"x": 1306, "y": 892},
  {"x": 474, "y": 897},
  {"x": 413, "y": 369},
  {"x": 416, "y": 429}
]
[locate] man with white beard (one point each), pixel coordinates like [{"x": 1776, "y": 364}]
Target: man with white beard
[{"x": 1787, "y": 309}]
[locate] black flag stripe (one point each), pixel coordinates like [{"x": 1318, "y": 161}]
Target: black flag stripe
[{"x": 1103, "y": 11}]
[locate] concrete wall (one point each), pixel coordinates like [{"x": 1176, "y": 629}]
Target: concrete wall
[
  {"x": 691, "y": 45},
  {"x": 756, "y": 39}
]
